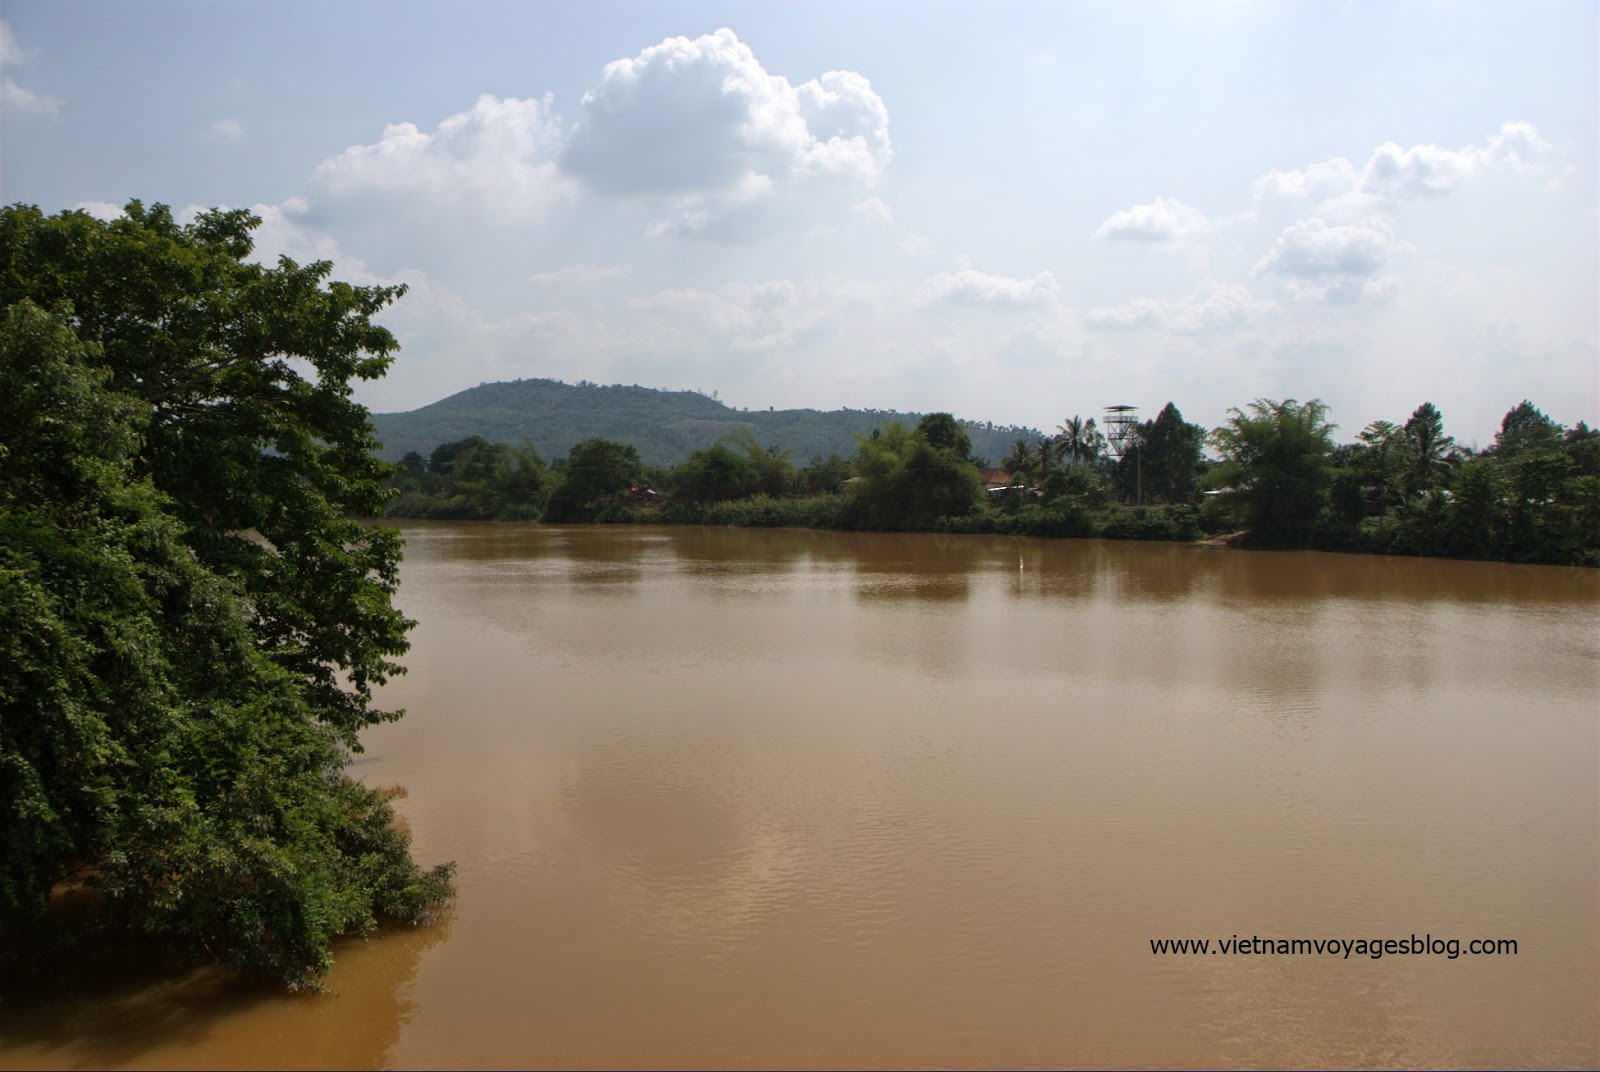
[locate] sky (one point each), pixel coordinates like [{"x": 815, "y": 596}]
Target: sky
[{"x": 1016, "y": 212}]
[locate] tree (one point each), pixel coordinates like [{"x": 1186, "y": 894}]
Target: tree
[
  {"x": 943, "y": 432},
  {"x": 473, "y": 479},
  {"x": 1275, "y": 465},
  {"x": 715, "y": 474},
  {"x": 1382, "y": 462},
  {"x": 235, "y": 436},
  {"x": 1020, "y": 461},
  {"x": 594, "y": 470},
  {"x": 1045, "y": 454},
  {"x": 774, "y": 472},
  {"x": 908, "y": 483},
  {"x": 1429, "y": 448},
  {"x": 1524, "y": 429},
  {"x": 1081, "y": 442},
  {"x": 178, "y": 740},
  {"x": 825, "y": 476},
  {"x": 1164, "y": 457}
]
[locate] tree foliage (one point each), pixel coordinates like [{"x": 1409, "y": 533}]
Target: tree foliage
[
  {"x": 1161, "y": 462},
  {"x": 1275, "y": 464},
  {"x": 473, "y": 480},
  {"x": 735, "y": 467},
  {"x": 1079, "y": 441},
  {"x": 192, "y": 623},
  {"x": 1397, "y": 489},
  {"x": 907, "y": 482},
  {"x": 592, "y": 472}
]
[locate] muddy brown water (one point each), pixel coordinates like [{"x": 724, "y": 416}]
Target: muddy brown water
[{"x": 763, "y": 798}]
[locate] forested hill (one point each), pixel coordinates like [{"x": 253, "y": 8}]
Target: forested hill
[{"x": 664, "y": 426}]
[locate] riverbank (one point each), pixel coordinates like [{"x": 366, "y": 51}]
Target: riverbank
[{"x": 1402, "y": 537}]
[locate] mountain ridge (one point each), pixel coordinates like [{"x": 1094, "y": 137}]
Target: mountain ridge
[{"x": 664, "y": 426}]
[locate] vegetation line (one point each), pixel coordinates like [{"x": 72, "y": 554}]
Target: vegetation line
[{"x": 1276, "y": 475}]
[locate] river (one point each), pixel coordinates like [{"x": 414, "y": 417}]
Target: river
[{"x": 780, "y": 798}]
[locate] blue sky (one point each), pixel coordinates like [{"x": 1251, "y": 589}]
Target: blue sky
[{"x": 1016, "y": 212}]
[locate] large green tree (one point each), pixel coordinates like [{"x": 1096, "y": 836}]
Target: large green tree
[
  {"x": 592, "y": 472},
  {"x": 1079, "y": 441},
  {"x": 1275, "y": 465},
  {"x": 1429, "y": 450},
  {"x": 908, "y": 483},
  {"x": 475, "y": 480},
  {"x": 1161, "y": 463},
  {"x": 192, "y": 623}
]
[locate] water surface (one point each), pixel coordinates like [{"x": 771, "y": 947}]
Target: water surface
[{"x": 756, "y": 798}]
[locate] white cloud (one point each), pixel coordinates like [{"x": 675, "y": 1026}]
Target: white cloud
[
  {"x": 100, "y": 210},
  {"x": 1165, "y": 219},
  {"x": 916, "y": 243},
  {"x": 227, "y": 129},
  {"x": 701, "y": 122},
  {"x": 1312, "y": 248},
  {"x": 873, "y": 210},
  {"x": 10, "y": 51},
  {"x": 22, "y": 101},
  {"x": 746, "y": 317},
  {"x": 1428, "y": 170},
  {"x": 972, "y": 287},
  {"x": 1138, "y": 313},
  {"x": 1393, "y": 173},
  {"x": 1330, "y": 178},
  {"x": 1337, "y": 265},
  {"x": 496, "y": 158},
  {"x": 16, "y": 99},
  {"x": 1212, "y": 307},
  {"x": 578, "y": 275}
]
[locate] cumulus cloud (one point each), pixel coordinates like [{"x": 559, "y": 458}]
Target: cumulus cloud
[
  {"x": 916, "y": 243},
  {"x": 1317, "y": 182},
  {"x": 496, "y": 157},
  {"x": 20, "y": 100},
  {"x": 1165, "y": 219},
  {"x": 10, "y": 51},
  {"x": 1337, "y": 265},
  {"x": 578, "y": 275},
  {"x": 747, "y": 317},
  {"x": 972, "y": 287},
  {"x": 1213, "y": 307},
  {"x": 227, "y": 129},
  {"x": 1312, "y": 248},
  {"x": 873, "y": 210},
  {"x": 1394, "y": 173},
  {"x": 703, "y": 123},
  {"x": 100, "y": 210},
  {"x": 1428, "y": 170}
]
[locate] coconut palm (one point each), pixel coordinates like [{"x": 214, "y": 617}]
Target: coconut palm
[
  {"x": 1080, "y": 442},
  {"x": 1045, "y": 454},
  {"x": 1429, "y": 448},
  {"x": 1020, "y": 460}
]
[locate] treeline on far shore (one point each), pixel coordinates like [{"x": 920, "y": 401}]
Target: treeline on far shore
[{"x": 1275, "y": 477}]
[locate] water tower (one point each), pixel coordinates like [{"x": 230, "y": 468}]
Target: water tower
[{"x": 1121, "y": 426}]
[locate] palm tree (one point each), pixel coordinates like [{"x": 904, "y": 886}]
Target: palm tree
[
  {"x": 1020, "y": 460},
  {"x": 1275, "y": 461},
  {"x": 1046, "y": 451},
  {"x": 1383, "y": 462},
  {"x": 1430, "y": 448},
  {"x": 1080, "y": 442}
]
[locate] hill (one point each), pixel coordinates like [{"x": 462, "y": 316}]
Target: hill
[{"x": 664, "y": 426}]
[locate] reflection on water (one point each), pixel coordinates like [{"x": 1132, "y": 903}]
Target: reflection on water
[
  {"x": 730, "y": 797},
  {"x": 162, "y": 1014}
]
